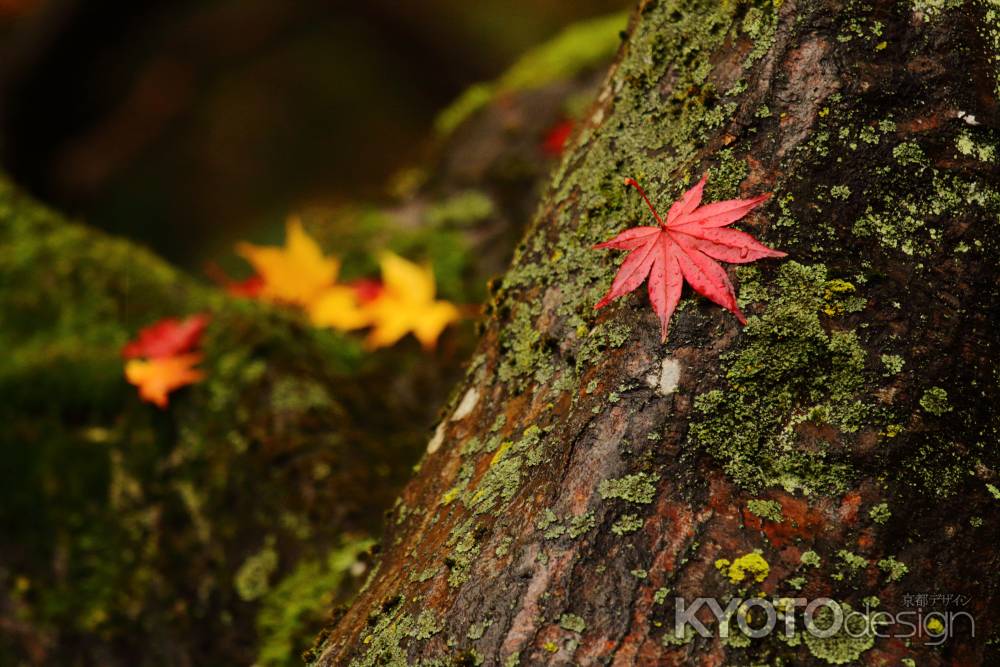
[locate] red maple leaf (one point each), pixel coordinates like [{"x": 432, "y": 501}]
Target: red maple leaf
[
  {"x": 685, "y": 247},
  {"x": 167, "y": 338},
  {"x": 556, "y": 138},
  {"x": 249, "y": 288},
  {"x": 367, "y": 289}
]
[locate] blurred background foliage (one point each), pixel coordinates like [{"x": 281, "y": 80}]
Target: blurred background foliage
[
  {"x": 185, "y": 124},
  {"x": 224, "y": 530}
]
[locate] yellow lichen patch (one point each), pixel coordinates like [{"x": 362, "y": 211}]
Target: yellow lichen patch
[
  {"x": 501, "y": 450},
  {"x": 750, "y": 566},
  {"x": 836, "y": 288},
  {"x": 448, "y": 496}
]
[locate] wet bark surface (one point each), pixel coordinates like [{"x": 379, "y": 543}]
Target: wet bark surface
[{"x": 841, "y": 445}]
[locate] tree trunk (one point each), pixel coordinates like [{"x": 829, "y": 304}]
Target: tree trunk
[{"x": 842, "y": 445}]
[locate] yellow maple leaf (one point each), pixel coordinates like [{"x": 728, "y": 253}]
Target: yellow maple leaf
[
  {"x": 406, "y": 304},
  {"x": 338, "y": 307},
  {"x": 156, "y": 378},
  {"x": 296, "y": 273}
]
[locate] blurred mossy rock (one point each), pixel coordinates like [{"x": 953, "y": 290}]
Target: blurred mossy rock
[
  {"x": 130, "y": 531},
  {"x": 220, "y": 530}
]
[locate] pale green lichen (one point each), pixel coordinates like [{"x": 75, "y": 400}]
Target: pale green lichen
[
  {"x": 880, "y": 513},
  {"x": 581, "y": 523},
  {"x": 893, "y": 363},
  {"x": 935, "y": 401},
  {"x": 810, "y": 558},
  {"x": 627, "y": 523},
  {"x": 425, "y": 626},
  {"x": 573, "y": 623},
  {"x": 477, "y": 630},
  {"x": 893, "y": 568},
  {"x": 638, "y": 488},
  {"x": 766, "y": 509},
  {"x": 853, "y": 638},
  {"x": 852, "y": 560}
]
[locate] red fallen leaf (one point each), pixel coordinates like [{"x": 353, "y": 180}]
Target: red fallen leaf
[
  {"x": 249, "y": 288},
  {"x": 367, "y": 289},
  {"x": 555, "y": 140},
  {"x": 167, "y": 338},
  {"x": 685, "y": 247}
]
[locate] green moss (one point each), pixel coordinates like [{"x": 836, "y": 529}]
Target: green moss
[
  {"x": 759, "y": 24},
  {"x": 930, "y": 9},
  {"x": 462, "y": 209},
  {"x": 909, "y": 217},
  {"x": 766, "y": 509},
  {"x": 786, "y": 370},
  {"x": 580, "y": 46},
  {"x": 385, "y": 636},
  {"x": 638, "y": 488},
  {"x": 503, "y": 477},
  {"x": 648, "y": 138},
  {"x": 935, "y": 401},
  {"x": 725, "y": 177},
  {"x": 295, "y": 608},
  {"x": 252, "y": 579}
]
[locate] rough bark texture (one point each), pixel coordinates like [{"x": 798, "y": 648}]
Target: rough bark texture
[
  {"x": 220, "y": 531},
  {"x": 842, "y": 444}
]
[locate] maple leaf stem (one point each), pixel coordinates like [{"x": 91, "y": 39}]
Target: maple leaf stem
[{"x": 632, "y": 182}]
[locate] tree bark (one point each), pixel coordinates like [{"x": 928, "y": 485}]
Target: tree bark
[{"x": 841, "y": 445}]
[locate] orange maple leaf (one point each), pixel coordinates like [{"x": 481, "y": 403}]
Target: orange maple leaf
[{"x": 156, "y": 378}]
